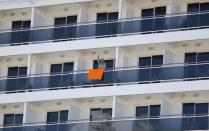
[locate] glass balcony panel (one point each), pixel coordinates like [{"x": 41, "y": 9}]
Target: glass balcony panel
[
  {"x": 5, "y": 38},
  {"x": 203, "y": 70},
  {"x": 101, "y": 29},
  {"x": 55, "y": 81},
  {"x": 125, "y": 76},
  {"x": 147, "y": 25},
  {"x": 11, "y": 84},
  {"x": 60, "y": 33},
  {"x": 160, "y": 24},
  {"x": 71, "y": 32},
  {"x": 195, "y": 123},
  {"x": 132, "y": 26},
  {"x": 144, "y": 75},
  {"x": 67, "y": 80},
  {"x": 204, "y": 19},
  {"x": 52, "y": 127},
  {"x": 38, "y": 35},
  {"x": 193, "y": 20},
  {"x": 87, "y": 30}
]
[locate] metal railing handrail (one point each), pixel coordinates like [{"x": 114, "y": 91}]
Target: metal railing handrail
[{"x": 81, "y": 121}]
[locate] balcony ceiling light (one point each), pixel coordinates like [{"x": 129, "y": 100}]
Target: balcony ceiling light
[
  {"x": 198, "y": 44},
  {"x": 8, "y": 60},
  {"x": 16, "y": 106},
  {"x": 4, "y": 107},
  {"x": 151, "y": 48},
  {"x": 97, "y": 6},
  {"x": 148, "y": 97},
  {"x": 20, "y": 59},
  {"x": 24, "y": 13},
  {"x": 185, "y": 45},
  {"x": 153, "y": 0},
  {"x": 62, "y": 55},
  {"x": 12, "y": 14},
  {"x": 103, "y": 100},
  {"x": 66, "y": 9},
  {"x": 59, "y": 103},
  {"x": 196, "y": 94},
  {"x": 109, "y": 5}
]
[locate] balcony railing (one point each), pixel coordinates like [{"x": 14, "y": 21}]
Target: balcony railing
[
  {"x": 131, "y": 75},
  {"x": 120, "y": 27},
  {"x": 174, "y": 123}
]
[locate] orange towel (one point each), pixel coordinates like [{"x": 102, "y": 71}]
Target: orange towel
[{"x": 96, "y": 74}]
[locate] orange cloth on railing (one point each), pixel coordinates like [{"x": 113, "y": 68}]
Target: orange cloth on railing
[{"x": 96, "y": 74}]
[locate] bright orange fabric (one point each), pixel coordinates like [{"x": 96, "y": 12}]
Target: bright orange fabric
[{"x": 96, "y": 74}]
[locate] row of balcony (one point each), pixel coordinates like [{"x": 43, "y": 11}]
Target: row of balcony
[
  {"x": 131, "y": 75},
  {"x": 172, "y": 123},
  {"x": 157, "y": 24}
]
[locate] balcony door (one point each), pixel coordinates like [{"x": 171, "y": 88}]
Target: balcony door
[
  {"x": 61, "y": 74},
  {"x": 106, "y": 25},
  {"x": 149, "y": 23},
  {"x": 20, "y": 32},
  {"x": 65, "y": 27},
  {"x": 16, "y": 78},
  {"x": 196, "y": 116}
]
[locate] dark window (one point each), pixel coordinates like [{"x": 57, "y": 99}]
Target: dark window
[
  {"x": 60, "y": 21},
  {"x": 112, "y": 16},
  {"x": 18, "y": 119},
  {"x": 160, "y": 11},
  {"x": 72, "y": 19},
  {"x": 201, "y": 109},
  {"x": 203, "y": 57},
  {"x": 56, "y": 68},
  {"x": 188, "y": 109},
  {"x": 66, "y": 20},
  {"x": 61, "y": 68},
  {"x": 204, "y": 7},
  {"x": 142, "y": 111},
  {"x": 151, "y": 61},
  {"x": 17, "y": 25},
  {"x": 52, "y": 117},
  {"x": 154, "y": 110},
  {"x": 63, "y": 116},
  {"x": 57, "y": 117},
  {"x": 109, "y": 64},
  {"x": 194, "y": 7},
  {"x": 147, "y": 12},
  {"x": 68, "y": 67},
  {"x": 13, "y": 119},
  {"x": 101, "y": 17},
  {"x": 17, "y": 71},
  {"x": 12, "y": 72},
  {"x": 148, "y": 111},
  {"x": 145, "y": 61},
  {"x": 157, "y": 60},
  {"x": 190, "y": 58}
]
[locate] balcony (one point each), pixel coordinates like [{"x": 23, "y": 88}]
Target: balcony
[
  {"x": 174, "y": 22},
  {"x": 131, "y": 75},
  {"x": 171, "y": 123}
]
